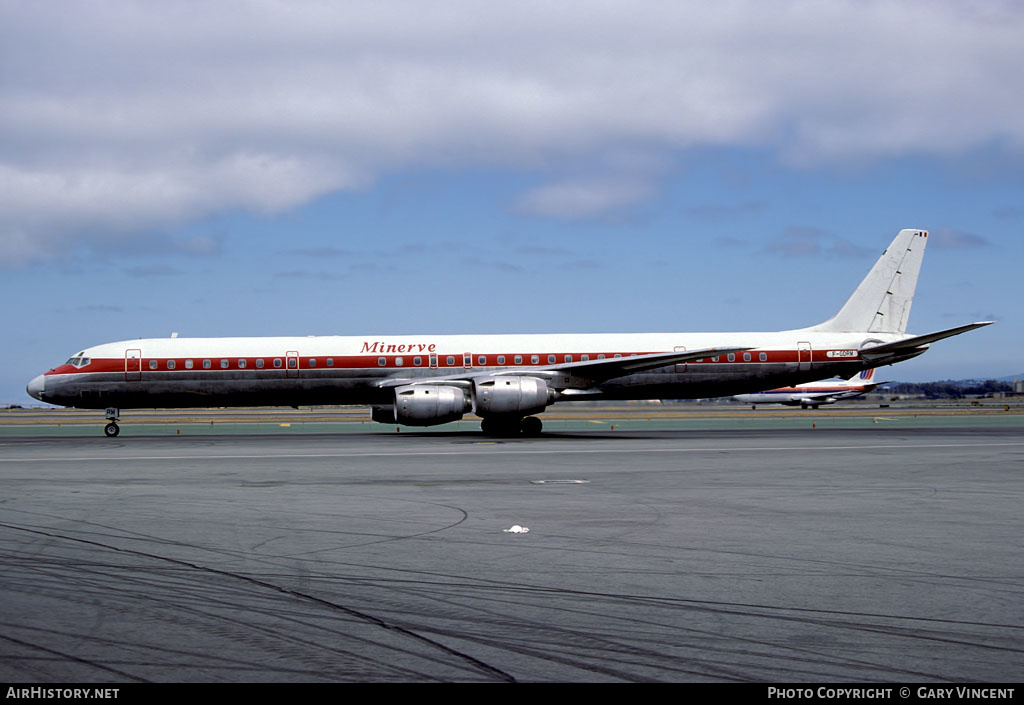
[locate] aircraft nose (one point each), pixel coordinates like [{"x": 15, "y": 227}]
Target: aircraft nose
[{"x": 36, "y": 387}]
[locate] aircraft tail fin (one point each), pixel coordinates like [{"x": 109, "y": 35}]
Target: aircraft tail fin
[
  {"x": 866, "y": 380},
  {"x": 881, "y": 303},
  {"x": 863, "y": 377}
]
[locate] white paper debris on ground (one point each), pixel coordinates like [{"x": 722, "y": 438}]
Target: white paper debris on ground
[{"x": 516, "y": 529}]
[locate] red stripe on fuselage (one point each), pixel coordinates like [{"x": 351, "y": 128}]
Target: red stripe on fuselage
[{"x": 98, "y": 365}]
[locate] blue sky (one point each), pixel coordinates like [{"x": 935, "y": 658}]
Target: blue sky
[{"x": 330, "y": 168}]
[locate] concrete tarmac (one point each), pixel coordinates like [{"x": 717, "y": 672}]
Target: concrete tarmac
[{"x": 874, "y": 554}]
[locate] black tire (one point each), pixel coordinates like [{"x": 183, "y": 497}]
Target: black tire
[
  {"x": 531, "y": 426},
  {"x": 111, "y": 429},
  {"x": 500, "y": 427}
]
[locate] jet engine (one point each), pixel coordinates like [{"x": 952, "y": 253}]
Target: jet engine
[
  {"x": 424, "y": 405},
  {"x": 512, "y": 396}
]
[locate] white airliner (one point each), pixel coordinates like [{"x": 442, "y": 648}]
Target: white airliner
[
  {"x": 423, "y": 380},
  {"x": 814, "y": 394}
]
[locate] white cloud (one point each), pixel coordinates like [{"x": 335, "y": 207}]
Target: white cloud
[
  {"x": 121, "y": 117},
  {"x": 583, "y": 199}
]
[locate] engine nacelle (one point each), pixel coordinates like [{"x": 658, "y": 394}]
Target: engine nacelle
[
  {"x": 426, "y": 405},
  {"x": 511, "y": 395}
]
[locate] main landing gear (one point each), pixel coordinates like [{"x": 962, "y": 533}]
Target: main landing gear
[
  {"x": 112, "y": 429},
  {"x": 496, "y": 426}
]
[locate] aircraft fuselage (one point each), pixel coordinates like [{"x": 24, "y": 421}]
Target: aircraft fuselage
[{"x": 293, "y": 371}]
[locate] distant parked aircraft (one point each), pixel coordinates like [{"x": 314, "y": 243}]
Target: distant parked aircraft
[
  {"x": 813, "y": 394},
  {"x": 424, "y": 380}
]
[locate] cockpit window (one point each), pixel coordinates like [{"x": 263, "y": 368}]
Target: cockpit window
[{"x": 77, "y": 361}]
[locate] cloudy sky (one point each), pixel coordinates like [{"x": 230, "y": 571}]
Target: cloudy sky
[{"x": 278, "y": 168}]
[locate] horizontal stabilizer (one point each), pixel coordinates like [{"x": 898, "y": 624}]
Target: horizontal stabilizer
[{"x": 881, "y": 351}]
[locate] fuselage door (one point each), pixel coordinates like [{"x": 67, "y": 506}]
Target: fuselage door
[
  {"x": 682, "y": 366},
  {"x": 132, "y": 365},
  {"x": 803, "y": 356},
  {"x": 292, "y": 363}
]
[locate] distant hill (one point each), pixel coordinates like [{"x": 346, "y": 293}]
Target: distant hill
[{"x": 1011, "y": 378}]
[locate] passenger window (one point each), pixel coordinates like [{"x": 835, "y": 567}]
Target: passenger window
[
  {"x": 467, "y": 360},
  {"x": 417, "y": 361},
  {"x": 763, "y": 357},
  {"x": 584, "y": 357},
  {"x": 312, "y": 362},
  {"x": 188, "y": 364},
  {"x": 170, "y": 364},
  {"x": 535, "y": 359},
  {"x": 551, "y": 359},
  {"x": 207, "y": 364},
  {"x": 330, "y": 362},
  {"x": 600, "y": 356},
  {"x": 481, "y": 360},
  {"x": 501, "y": 359},
  {"x": 732, "y": 357},
  {"x": 451, "y": 360},
  {"x": 241, "y": 364},
  {"x": 277, "y": 362},
  {"x": 259, "y": 363},
  {"x": 399, "y": 361},
  {"x": 746, "y": 357},
  {"x": 382, "y": 361},
  {"x": 519, "y": 359},
  {"x": 293, "y": 363},
  {"x": 568, "y": 358},
  {"x": 714, "y": 359},
  {"x": 224, "y": 364},
  {"x": 618, "y": 355},
  {"x": 152, "y": 364}
]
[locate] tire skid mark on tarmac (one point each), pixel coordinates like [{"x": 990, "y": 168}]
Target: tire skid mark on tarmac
[
  {"x": 832, "y": 620},
  {"x": 187, "y": 612},
  {"x": 71, "y": 657},
  {"x": 612, "y": 643},
  {"x": 482, "y": 667},
  {"x": 266, "y": 559}
]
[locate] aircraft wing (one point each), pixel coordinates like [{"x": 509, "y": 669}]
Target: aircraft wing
[
  {"x": 609, "y": 368},
  {"x": 919, "y": 341},
  {"x": 588, "y": 371}
]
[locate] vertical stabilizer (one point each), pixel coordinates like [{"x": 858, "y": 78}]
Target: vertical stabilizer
[
  {"x": 881, "y": 304},
  {"x": 862, "y": 377}
]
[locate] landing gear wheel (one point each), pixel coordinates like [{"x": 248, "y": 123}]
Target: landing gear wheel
[
  {"x": 531, "y": 426},
  {"x": 111, "y": 429},
  {"x": 500, "y": 427}
]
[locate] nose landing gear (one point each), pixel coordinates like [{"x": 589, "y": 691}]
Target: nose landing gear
[{"x": 112, "y": 429}]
